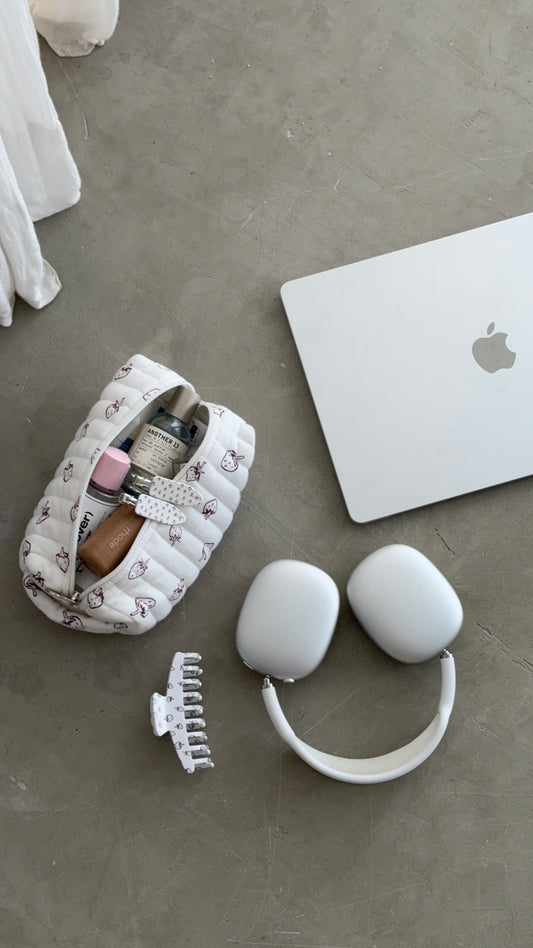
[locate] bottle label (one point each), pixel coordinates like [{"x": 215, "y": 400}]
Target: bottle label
[
  {"x": 156, "y": 450},
  {"x": 94, "y": 513}
]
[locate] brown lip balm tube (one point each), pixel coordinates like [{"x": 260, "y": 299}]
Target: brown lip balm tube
[{"x": 108, "y": 545}]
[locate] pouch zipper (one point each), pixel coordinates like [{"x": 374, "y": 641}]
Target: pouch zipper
[
  {"x": 76, "y": 595},
  {"x": 72, "y": 564},
  {"x": 72, "y": 598}
]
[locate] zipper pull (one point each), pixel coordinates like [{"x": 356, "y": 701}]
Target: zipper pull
[
  {"x": 153, "y": 509},
  {"x": 64, "y": 600}
]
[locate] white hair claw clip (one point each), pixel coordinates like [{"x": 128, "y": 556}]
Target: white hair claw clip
[{"x": 178, "y": 713}]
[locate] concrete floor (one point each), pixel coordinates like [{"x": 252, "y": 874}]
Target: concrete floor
[{"x": 225, "y": 148}]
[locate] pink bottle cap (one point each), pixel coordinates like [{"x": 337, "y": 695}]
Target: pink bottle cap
[{"x": 111, "y": 469}]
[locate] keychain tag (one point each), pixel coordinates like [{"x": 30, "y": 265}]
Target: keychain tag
[
  {"x": 175, "y": 492},
  {"x": 154, "y": 509}
]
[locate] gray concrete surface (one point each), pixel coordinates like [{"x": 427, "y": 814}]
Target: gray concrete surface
[{"x": 225, "y": 148}]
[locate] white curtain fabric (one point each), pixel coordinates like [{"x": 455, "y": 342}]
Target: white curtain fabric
[
  {"x": 74, "y": 27},
  {"x": 38, "y": 176}
]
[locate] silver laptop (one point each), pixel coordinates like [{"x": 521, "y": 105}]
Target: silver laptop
[{"x": 420, "y": 364}]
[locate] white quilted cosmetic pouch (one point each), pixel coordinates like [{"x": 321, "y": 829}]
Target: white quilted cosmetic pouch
[{"x": 164, "y": 559}]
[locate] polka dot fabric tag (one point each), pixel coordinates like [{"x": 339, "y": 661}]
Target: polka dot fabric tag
[
  {"x": 175, "y": 492},
  {"x": 158, "y": 510}
]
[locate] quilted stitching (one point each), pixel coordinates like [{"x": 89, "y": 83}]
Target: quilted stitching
[{"x": 164, "y": 560}]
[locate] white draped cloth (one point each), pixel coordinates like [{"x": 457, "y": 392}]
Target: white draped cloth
[
  {"x": 38, "y": 176},
  {"x": 74, "y": 27}
]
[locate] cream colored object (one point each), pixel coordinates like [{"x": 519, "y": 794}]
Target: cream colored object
[
  {"x": 74, "y": 27},
  {"x": 22, "y": 267},
  {"x": 164, "y": 560},
  {"x": 38, "y": 176}
]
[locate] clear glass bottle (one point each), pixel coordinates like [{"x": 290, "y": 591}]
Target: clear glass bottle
[
  {"x": 127, "y": 435},
  {"x": 165, "y": 438}
]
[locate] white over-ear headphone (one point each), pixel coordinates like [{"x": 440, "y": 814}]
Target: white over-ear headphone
[{"x": 403, "y": 602}]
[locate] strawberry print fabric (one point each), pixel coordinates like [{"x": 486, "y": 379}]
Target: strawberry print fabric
[{"x": 164, "y": 559}]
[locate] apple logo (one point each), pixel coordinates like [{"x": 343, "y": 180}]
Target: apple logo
[{"x": 491, "y": 352}]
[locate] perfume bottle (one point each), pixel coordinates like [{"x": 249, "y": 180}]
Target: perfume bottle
[
  {"x": 165, "y": 438},
  {"x": 102, "y": 493},
  {"x": 127, "y": 435}
]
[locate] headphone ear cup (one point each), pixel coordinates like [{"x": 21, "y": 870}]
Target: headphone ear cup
[
  {"x": 287, "y": 619},
  {"x": 404, "y": 603}
]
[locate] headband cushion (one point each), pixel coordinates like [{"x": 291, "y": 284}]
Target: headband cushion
[{"x": 404, "y": 603}]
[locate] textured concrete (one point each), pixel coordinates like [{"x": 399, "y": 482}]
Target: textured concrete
[{"x": 224, "y": 148}]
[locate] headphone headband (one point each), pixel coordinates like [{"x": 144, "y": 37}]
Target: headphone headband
[{"x": 370, "y": 769}]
